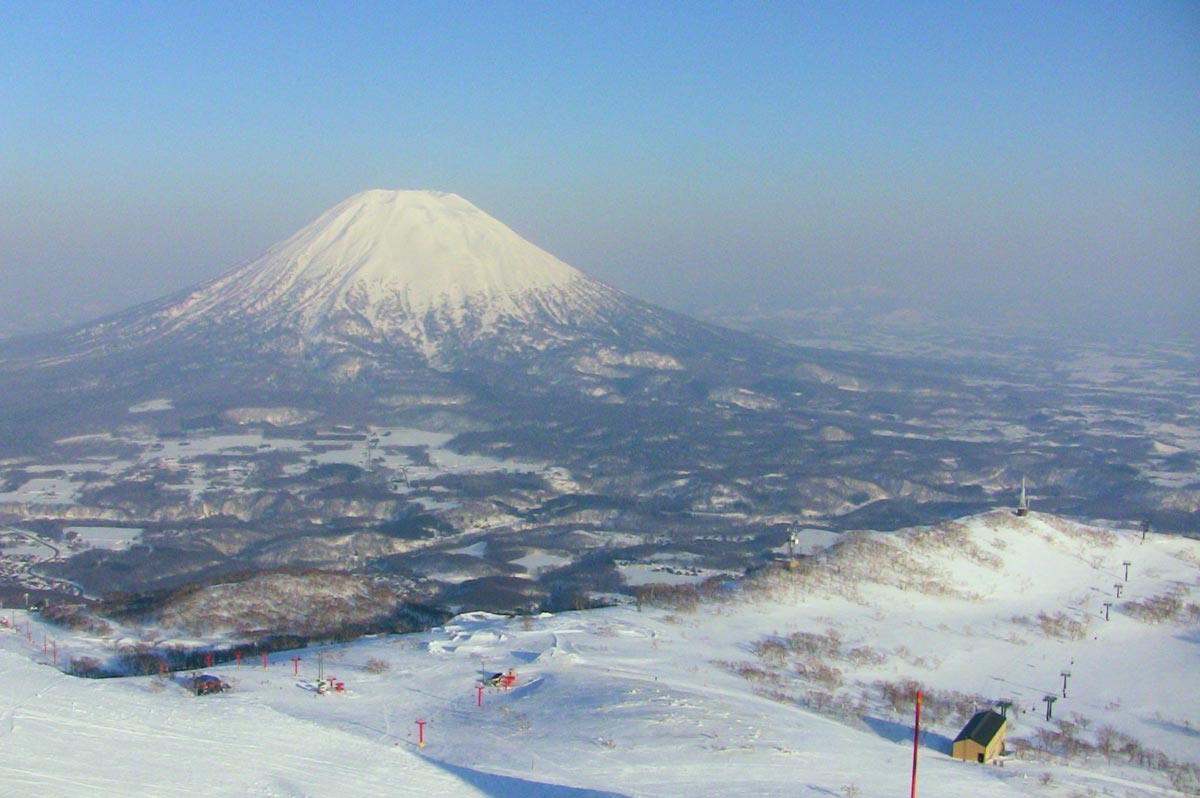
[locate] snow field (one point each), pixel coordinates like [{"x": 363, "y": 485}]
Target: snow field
[
  {"x": 617, "y": 702},
  {"x": 192, "y": 457}
]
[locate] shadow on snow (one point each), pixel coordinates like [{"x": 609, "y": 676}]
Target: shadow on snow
[
  {"x": 902, "y": 733},
  {"x": 498, "y": 786}
]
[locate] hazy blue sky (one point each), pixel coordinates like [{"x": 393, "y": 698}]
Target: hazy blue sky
[{"x": 961, "y": 154}]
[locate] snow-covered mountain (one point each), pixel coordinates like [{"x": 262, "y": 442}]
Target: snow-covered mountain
[
  {"x": 419, "y": 271},
  {"x": 391, "y": 299}
]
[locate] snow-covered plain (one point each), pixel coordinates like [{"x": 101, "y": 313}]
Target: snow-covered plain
[
  {"x": 112, "y": 538},
  {"x": 683, "y": 701},
  {"x": 206, "y": 462}
]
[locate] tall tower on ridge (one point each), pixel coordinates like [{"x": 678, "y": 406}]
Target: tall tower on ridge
[{"x": 1023, "y": 502}]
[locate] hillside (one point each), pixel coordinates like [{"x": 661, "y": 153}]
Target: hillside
[{"x": 795, "y": 682}]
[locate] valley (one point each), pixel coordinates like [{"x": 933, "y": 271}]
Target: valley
[{"x": 552, "y": 500}]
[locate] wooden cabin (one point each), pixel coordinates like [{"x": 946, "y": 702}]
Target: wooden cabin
[{"x": 982, "y": 739}]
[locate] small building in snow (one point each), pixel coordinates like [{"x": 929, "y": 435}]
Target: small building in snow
[
  {"x": 207, "y": 684},
  {"x": 982, "y": 739}
]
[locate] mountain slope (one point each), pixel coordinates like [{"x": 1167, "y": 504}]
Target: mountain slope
[{"x": 799, "y": 688}]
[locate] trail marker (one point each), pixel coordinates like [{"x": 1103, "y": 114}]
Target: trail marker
[{"x": 916, "y": 745}]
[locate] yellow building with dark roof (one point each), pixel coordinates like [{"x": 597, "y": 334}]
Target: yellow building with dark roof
[{"x": 982, "y": 739}]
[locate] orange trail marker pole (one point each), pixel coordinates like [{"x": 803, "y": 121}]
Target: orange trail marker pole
[
  {"x": 916, "y": 745},
  {"x": 420, "y": 734}
]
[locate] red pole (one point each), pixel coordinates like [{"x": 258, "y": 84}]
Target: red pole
[
  {"x": 421, "y": 734},
  {"x": 264, "y": 660},
  {"x": 916, "y": 745},
  {"x": 238, "y": 656},
  {"x": 208, "y": 657},
  {"x": 295, "y": 666},
  {"x": 479, "y": 695}
]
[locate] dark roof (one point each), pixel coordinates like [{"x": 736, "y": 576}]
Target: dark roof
[{"x": 982, "y": 728}]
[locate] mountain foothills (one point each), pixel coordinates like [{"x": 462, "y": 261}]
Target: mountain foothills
[{"x": 408, "y": 399}]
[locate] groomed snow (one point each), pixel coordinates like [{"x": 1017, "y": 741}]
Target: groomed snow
[{"x": 618, "y": 702}]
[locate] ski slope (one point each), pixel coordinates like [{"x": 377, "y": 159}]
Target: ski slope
[{"x": 622, "y": 702}]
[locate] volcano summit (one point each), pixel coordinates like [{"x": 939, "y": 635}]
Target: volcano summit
[{"x": 421, "y": 271}]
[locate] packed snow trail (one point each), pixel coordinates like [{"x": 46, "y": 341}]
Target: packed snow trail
[{"x": 618, "y": 703}]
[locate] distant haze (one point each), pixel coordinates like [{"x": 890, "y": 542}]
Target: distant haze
[{"x": 977, "y": 161}]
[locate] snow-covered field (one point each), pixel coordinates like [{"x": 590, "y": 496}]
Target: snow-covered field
[
  {"x": 207, "y": 461},
  {"x": 112, "y": 538},
  {"x": 717, "y": 699}
]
